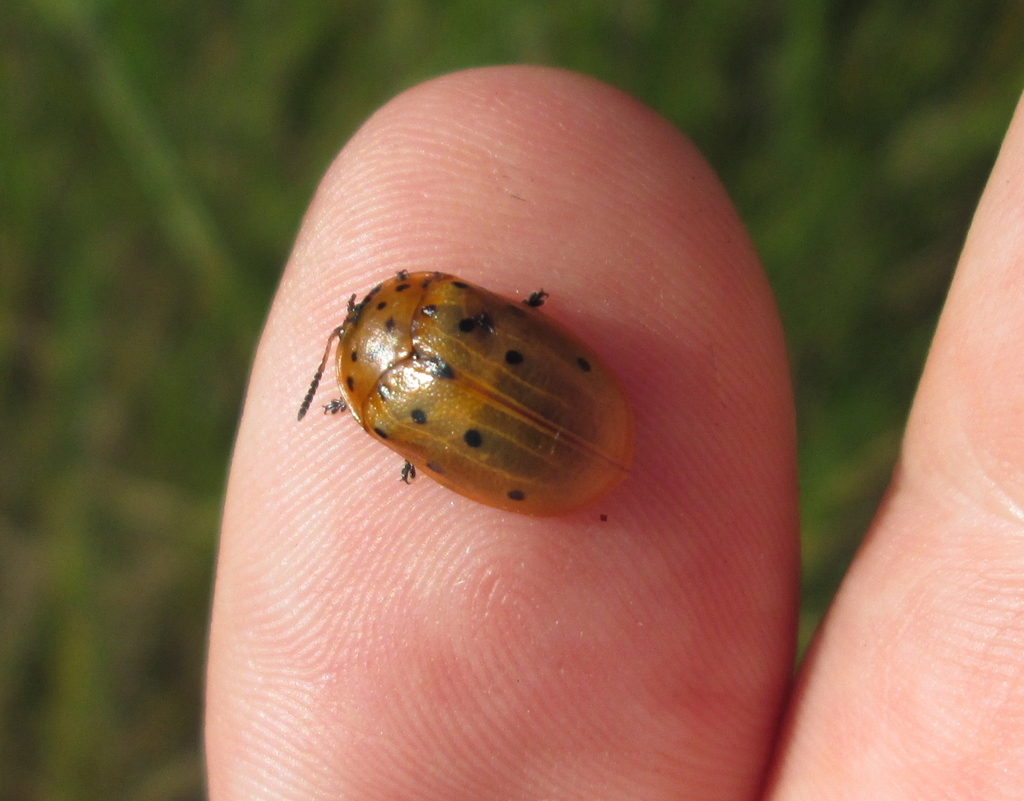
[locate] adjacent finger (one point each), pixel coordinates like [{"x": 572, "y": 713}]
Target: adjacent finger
[{"x": 913, "y": 688}]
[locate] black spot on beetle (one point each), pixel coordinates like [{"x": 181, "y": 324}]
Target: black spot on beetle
[
  {"x": 584, "y": 364},
  {"x": 401, "y": 287},
  {"x": 466, "y": 325},
  {"x": 355, "y": 356},
  {"x": 473, "y": 438},
  {"x": 439, "y": 368},
  {"x": 380, "y": 432},
  {"x": 513, "y": 357},
  {"x": 460, "y": 284},
  {"x": 375, "y": 290},
  {"x": 435, "y": 467},
  {"x": 517, "y": 495},
  {"x": 381, "y": 305},
  {"x": 429, "y": 309},
  {"x": 351, "y": 383},
  {"x": 419, "y": 416},
  {"x": 390, "y": 325}
]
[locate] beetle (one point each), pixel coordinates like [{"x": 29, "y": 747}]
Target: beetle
[{"x": 491, "y": 398}]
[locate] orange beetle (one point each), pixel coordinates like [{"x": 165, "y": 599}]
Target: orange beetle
[{"x": 492, "y": 398}]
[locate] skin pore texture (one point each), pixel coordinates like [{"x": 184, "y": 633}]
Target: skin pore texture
[{"x": 371, "y": 640}]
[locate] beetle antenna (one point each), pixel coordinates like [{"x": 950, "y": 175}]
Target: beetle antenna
[{"x": 315, "y": 383}]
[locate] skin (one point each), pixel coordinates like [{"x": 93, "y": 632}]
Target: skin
[{"x": 376, "y": 641}]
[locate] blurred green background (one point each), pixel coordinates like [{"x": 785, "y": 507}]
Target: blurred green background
[{"x": 155, "y": 161}]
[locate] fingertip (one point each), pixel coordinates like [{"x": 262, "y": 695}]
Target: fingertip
[{"x": 518, "y": 178}]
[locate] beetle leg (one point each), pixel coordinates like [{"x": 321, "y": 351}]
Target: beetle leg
[
  {"x": 536, "y": 298},
  {"x": 408, "y": 472},
  {"x": 335, "y": 406}
]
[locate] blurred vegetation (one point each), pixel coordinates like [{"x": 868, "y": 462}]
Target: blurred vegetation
[{"x": 155, "y": 161}]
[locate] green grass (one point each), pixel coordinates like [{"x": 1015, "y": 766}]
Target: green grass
[{"x": 155, "y": 161}]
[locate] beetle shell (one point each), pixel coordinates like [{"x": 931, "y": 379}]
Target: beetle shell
[{"x": 491, "y": 398}]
